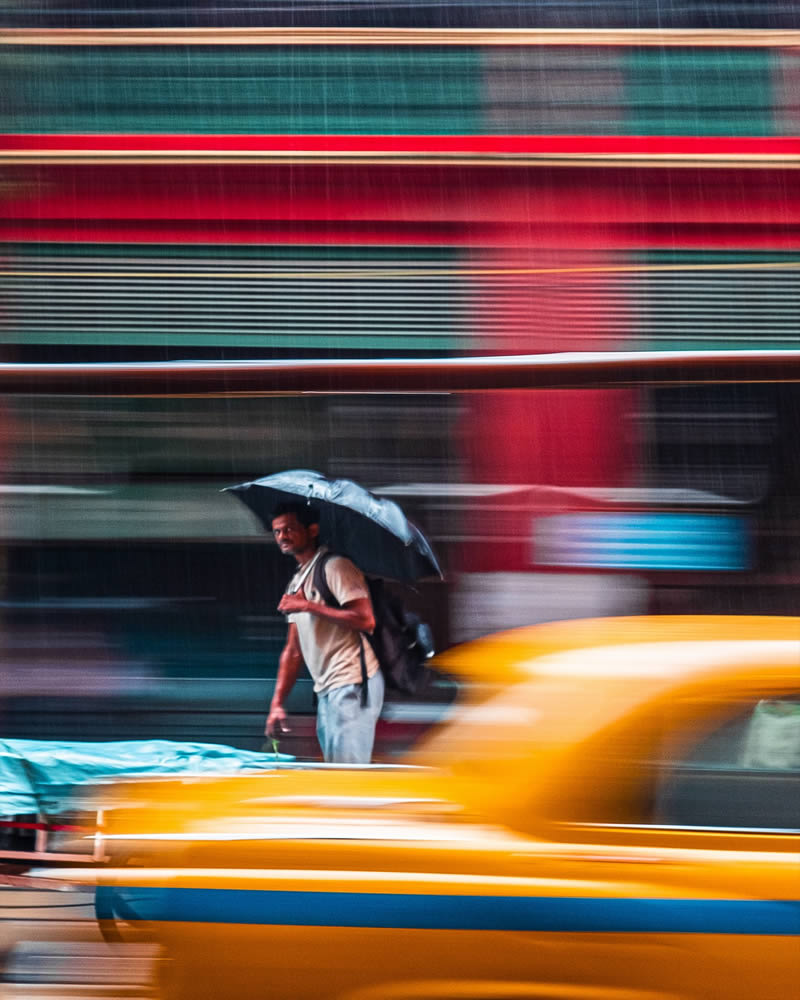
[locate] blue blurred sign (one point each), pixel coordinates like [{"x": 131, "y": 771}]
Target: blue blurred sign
[{"x": 656, "y": 541}]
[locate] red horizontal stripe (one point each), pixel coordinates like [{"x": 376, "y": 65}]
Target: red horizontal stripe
[
  {"x": 50, "y": 827},
  {"x": 588, "y": 237},
  {"x": 509, "y": 145}
]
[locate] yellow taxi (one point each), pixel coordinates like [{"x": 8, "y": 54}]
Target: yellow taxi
[{"x": 611, "y": 813}]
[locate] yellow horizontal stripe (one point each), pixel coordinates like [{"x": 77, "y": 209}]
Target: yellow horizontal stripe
[
  {"x": 411, "y": 272},
  {"x": 32, "y": 157},
  {"x": 684, "y": 37}
]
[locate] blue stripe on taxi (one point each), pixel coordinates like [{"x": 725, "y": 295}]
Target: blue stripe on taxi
[{"x": 453, "y": 912}]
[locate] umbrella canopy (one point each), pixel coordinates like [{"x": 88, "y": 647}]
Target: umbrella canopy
[{"x": 373, "y": 532}]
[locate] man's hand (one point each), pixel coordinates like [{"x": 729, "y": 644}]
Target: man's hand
[
  {"x": 276, "y": 722},
  {"x": 289, "y": 665},
  {"x": 293, "y": 602}
]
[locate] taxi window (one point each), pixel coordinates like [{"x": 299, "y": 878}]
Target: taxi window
[{"x": 744, "y": 773}]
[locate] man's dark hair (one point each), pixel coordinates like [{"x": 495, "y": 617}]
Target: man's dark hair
[{"x": 306, "y": 513}]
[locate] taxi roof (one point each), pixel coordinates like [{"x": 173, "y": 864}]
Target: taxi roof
[
  {"x": 642, "y": 647},
  {"x": 533, "y": 695}
]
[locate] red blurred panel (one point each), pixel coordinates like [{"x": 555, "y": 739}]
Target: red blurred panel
[{"x": 625, "y": 201}]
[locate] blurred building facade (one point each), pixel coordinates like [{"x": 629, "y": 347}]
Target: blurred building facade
[{"x": 209, "y": 196}]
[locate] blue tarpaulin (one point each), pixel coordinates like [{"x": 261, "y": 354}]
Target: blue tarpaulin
[{"x": 39, "y": 776}]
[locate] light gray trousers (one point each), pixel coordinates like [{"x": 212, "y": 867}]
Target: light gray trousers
[{"x": 345, "y": 727}]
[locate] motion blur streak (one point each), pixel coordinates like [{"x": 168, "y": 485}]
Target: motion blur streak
[
  {"x": 639, "y": 37},
  {"x": 531, "y": 269},
  {"x": 435, "y": 183}
]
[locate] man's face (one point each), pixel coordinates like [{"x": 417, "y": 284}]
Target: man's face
[{"x": 293, "y": 538}]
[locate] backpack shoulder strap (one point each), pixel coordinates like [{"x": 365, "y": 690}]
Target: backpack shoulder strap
[{"x": 320, "y": 580}]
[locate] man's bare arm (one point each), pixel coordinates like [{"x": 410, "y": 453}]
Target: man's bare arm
[
  {"x": 356, "y": 615},
  {"x": 289, "y": 666}
]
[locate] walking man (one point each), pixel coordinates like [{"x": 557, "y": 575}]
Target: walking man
[{"x": 329, "y": 640}]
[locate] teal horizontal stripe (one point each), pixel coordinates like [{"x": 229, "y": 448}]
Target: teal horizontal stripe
[
  {"x": 209, "y": 254},
  {"x": 695, "y": 257},
  {"x": 352, "y": 90},
  {"x": 699, "y": 342},
  {"x": 440, "y": 912},
  {"x": 714, "y": 91},
  {"x": 264, "y": 90},
  {"x": 369, "y": 340}
]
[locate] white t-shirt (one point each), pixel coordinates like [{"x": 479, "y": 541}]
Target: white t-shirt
[{"x": 331, "y": 652}]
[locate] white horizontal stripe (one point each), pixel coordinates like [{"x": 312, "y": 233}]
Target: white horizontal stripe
[{"x": 667, "y": 659}]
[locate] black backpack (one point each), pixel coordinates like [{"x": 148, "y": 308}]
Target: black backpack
[{"x": 401, "y": 642}]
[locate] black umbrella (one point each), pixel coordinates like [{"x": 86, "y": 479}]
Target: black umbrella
[{"x": 373, "y": 532}]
